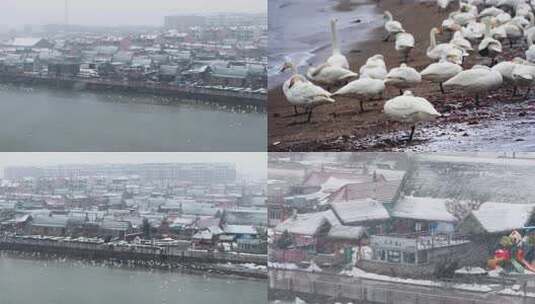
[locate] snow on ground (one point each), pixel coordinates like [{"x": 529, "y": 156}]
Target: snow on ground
[
  {"x": 357, "y": 272},
  {"x": 470, "y": 270},
  {"x": 512, "y": 292},
  {"x": 313, "y": 267},
  {"x": 287, "y": 266}
]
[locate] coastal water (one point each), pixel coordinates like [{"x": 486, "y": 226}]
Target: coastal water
[
  {"x": 25, "y": 281},
  {"x": 299, "y": 30},
  {"x": 41, "y": 119}
]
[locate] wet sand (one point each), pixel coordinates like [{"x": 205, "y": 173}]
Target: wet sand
[{"x": 505, "y": 120}]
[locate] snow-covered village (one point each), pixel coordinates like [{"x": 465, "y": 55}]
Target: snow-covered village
[{"x": 401, "y": 228}]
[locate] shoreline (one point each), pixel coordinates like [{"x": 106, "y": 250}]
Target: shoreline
[
  {"x": 188, "y": 94},
  {"x": 339, "y": 126},
  {"x": 213, "y": 269}
]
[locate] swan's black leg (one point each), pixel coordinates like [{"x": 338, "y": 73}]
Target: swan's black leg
[
  {"x": 477, "y": 100},
  {"x": 400, "y": 92},
  {"x": 309, "y": 115},
  {"x": 515, "y": 90},
  {"x": 361, "y": 106},
  {"x": 412, "y": 133},
  {"x": 295, "y": 110},
  {"x": 441, "y": 88},
  {"x": 527, "y": 93},
  {"x": 387, "y": 36}
]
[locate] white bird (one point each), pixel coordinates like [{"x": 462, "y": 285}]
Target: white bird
[
  {"x": 336, "y": 59},
  {"x": 375, "y": 67},
  {"x": 514, "y": 31},
  {"x": 523, "y": 9},
  {"x": 489, "y": 47},
  {"x": 440, "y": 72},
  {"x": 301, "y": 92},
  {"x": 530, "y": 30},
  {"x": 505, "y": 68},
  {"x": 465, "y": 14},
  {"x": 524, "y": 74},
  {"x": 392, "y": 27},
  {"x": 477, "y": 80},
  {"x": 443, "y": 4},
  {"x": 503, "y": 18},
  {"x": 530, "y": 52},
  {"x": 436, "y": 52},
  {"x": 364, "y": 88},
  {"x": 329, "y": 75},
  {"x": 404, "y": 44},
  {"x": 473, "y": 31},
  {"x": 408, "y": 108},
  {"x": 490, "y": 12},
  {"x": 449, "y": 26},
  {"x": 459, "y": 40},
  {"x": 403, "y": 77}
]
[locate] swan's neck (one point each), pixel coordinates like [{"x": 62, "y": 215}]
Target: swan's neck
[
  {"x": 530, "y": 40},
  {"x": 334, "y": 38},
  {"x": 389, "y": 16},
  {"x": 531, "y": 19},
  {"x": 294, "y": 70},
  {"x": 432, "y": 39},
  {"x": 487, "y": 29}
]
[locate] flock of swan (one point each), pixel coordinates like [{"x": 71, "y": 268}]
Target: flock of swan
[{"x": 477, "y": 26}]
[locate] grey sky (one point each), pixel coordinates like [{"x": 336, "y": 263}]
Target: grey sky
[
  {"x": 115, "y": 12},
  {"x": 251, "y": 164}
]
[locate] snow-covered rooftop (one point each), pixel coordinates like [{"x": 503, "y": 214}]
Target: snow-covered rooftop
[
  {"x": 497, "y": 217},
  {"x": 346, "y": 232},
  {"x": 307, "y": 223},
  {"x": 359, "y": 211},
  {"x": 423, "y": 208}
]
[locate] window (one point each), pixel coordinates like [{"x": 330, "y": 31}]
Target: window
[
  {"x": 394, "y": 256},
  {"x": 409, "y": 257}
]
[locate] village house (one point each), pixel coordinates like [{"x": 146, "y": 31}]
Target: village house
[
  {"x": 364, "y": 212},
  {"x": 491, "y": 221},
  {"x": 422, "y": 214}
]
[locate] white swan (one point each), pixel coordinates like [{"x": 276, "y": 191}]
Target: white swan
[
  {"x": 459, "y": 40},
  {"x": 336, "y": 59},
  {"x": 301, "y": 92},
  {"x": 514, "y": 31},
  {"x": 490, "y": 12},
  {"x": 375, "y": 67},
  {"x": 329, "y": 75},
  {"x": 403, "y": 77},
  {"x": 473, "y": 31},
  {"x": 530, "y": 30},
  {"x": 408, "y": 108},
  {"x": 503, "y": 18},
  {"x": 489, "y": 47},
  {"x": 392, "y": 27},
  {"x": 440, "y": 72},
  {"x": 465, "y": 14},
  {"x": 364, "y": 88},
  {"x": 448, "y": 25},
  {"x": 404, "y": 44},
  {"x": 505, "y": 68},
  {"x": 479, "y": 79},
  {"x": 436, "y": 52},
  {"x": 530, "y": 52},
  {"x": 443, "y": 4}
]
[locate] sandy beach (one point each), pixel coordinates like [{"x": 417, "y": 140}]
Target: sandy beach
[{"x": 500, "y": 121}]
